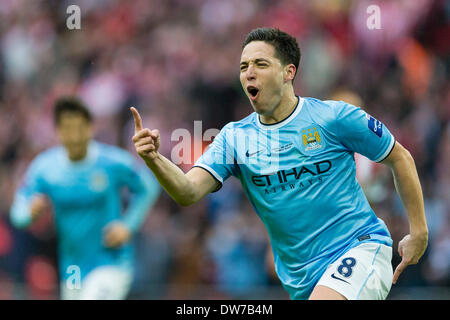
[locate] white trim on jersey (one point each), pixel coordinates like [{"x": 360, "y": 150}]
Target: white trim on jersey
[
  {"x": 210, "y": 170},
  {"x": 388, "y": 150},
  {"x": 285, "y": 121}
]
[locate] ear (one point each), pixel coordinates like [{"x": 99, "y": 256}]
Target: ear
[{"x": 289, "y": 72}]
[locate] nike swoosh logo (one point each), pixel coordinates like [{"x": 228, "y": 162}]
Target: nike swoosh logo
[
  {"x": 275, "y": 150},
  {"x": 334, "y": 277}
]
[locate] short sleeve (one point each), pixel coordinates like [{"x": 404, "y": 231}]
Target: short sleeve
[
  {"x": 362, "y": 133},
  {"x": 32, "y": 183},
  {"x": 219, "y": 157}
]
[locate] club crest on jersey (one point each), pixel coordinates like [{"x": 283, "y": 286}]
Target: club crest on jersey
[
  {"x": 312, "y": 138},
  {"x": 374, "y": 125},
  {"x": 98, "y": 181}
]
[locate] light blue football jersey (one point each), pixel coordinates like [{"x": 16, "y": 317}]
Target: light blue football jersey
[
  {"x": 86, "y": 195},
  {"x": 300, "y": 176}
]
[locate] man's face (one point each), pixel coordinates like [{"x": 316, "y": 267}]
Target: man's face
[
  {"x": 262, "y": 76},
  {"x": 74, "y": 132}
]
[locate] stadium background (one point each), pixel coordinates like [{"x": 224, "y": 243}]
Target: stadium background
[{"x": 177, "y": 61}]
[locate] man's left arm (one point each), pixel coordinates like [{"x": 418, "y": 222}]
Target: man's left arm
[
  {"x": 406, "y": 181},
  {"x": 362, "y": 133},
  {"x": 144, "y": 191}
]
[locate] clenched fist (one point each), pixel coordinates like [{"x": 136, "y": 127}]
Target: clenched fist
[
  {"x": 145, "y": 141},
  {"x": 116, "y": 234}
]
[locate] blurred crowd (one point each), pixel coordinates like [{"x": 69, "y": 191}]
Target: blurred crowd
[{"x": 177, "y": 61}]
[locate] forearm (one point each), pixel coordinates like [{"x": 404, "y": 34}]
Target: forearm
[
  {"x": 407, "y": 184},
  {"x": 173, "y": 180},
  {"x": 185, "y": 189}
]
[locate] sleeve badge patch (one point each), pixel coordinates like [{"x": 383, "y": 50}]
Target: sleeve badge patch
[{"x": 374, "y": 125}]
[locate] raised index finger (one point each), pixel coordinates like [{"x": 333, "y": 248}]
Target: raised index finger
[{"x": 137, "y": 120}]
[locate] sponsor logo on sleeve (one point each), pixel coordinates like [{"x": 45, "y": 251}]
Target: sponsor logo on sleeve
[{"x": 374, "y": 125}]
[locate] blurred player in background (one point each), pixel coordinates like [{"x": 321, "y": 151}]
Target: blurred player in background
[
  {"x": 294, "y": 158},
  {"x": 83, "y": 180}
]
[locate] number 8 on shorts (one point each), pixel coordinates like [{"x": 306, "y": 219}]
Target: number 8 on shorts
[
  {"x": 345, "y": 268},
  {"x": 363, "y": 272}
]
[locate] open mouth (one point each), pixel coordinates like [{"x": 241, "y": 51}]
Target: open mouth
[{"x": 253, "y": 92}]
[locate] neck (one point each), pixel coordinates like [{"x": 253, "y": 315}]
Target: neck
[
  {"x": 282, "y": 111},
  {"x": 77, "y": 157}
]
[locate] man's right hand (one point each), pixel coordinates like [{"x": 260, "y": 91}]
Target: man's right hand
[
  {"x": 39, "y": 204},
  {"x": 145, "y": 141}
]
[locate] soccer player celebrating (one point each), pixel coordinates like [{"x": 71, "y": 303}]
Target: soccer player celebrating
[
  {"x": 83, "y": 179},
  {"x": 294, "y": 158}
]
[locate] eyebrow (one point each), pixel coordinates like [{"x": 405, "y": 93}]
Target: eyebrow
[{"x": 256, "y": 61}]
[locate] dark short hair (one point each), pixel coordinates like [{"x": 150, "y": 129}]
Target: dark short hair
[
  {"x": 286, "y": 46},
  {"x": 70, "y": 104}
]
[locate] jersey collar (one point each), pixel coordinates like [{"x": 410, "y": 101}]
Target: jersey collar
[{"x": 284, "y": 122}]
